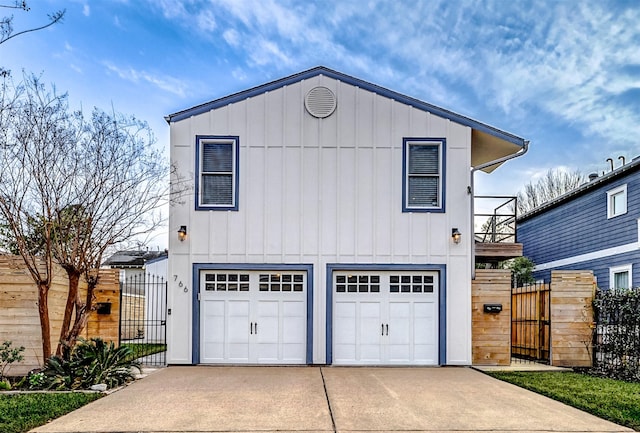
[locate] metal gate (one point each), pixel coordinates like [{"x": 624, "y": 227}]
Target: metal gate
[
  {"x": 143, "y": 309},
  {"x": 531, "y": 322}
]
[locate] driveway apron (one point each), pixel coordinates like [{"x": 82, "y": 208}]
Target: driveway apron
[
  {"x": 203, "y": 399},
  {"x": 446, "y": 399},
  {"x": 314, "y": 399}
]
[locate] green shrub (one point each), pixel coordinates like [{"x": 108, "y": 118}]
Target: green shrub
[
  {"x": 90, "y": 363},
  {"x": 617, "y": 339},
  {"x": 9, "y": 355}
]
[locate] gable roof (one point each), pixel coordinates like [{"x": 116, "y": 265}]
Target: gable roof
[
  {"x": 492, "y": 143},
  {"x": 585, "y": 188},
  {"x": 134, "y": 258}
]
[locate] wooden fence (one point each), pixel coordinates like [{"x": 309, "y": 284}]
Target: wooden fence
[
  {"x": 565, "y": 305},
  {"x": 491, "y": 331},
  {"x": 531, "y": 322},
  {"x": 19, "y": 319}
]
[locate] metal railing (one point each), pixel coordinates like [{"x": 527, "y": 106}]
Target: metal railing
[
  {"x": 499, "y": 224},
  {"x": 143, "y": 306}
]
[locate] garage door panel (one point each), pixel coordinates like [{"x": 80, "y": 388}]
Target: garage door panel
[
  {"x": 390, "y": 319},
  {"x": 293, "y": 323},
  {"x": 253, "y": 317},
  {"x": 370, "y": 324},
  {"x": 345, "y": 331}
]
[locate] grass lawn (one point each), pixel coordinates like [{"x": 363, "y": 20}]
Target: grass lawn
[
  {"x": 21, "y": 412},
  {"x": 144, "y": 349},
  {"x": 610, "y": 399}
]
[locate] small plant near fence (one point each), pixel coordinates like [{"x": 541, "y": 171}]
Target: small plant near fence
[
  {"x": 8, "y": 355},
  {"x": 616, "y": 341}
]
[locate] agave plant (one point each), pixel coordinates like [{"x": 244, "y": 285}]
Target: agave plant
[
  {"x": 89, "y": 363},
  {"x": 102, "y": 362}
]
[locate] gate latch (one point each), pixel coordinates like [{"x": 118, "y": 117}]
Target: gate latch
[{"x": 492, "y": 308}]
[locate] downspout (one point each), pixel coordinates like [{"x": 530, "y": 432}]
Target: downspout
[{"x": 519, "y": 153}]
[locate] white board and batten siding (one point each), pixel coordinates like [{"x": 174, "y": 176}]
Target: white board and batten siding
[{"x": 318, "y": 192}]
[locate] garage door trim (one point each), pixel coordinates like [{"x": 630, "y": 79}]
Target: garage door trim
[
  {"x": 442, "y": 298},
  {"x": 195, "y": 316}
]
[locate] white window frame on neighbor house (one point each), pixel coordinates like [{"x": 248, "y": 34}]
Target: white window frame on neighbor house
[
  {"x": 628, "y": 269},
  {"x": 613, "y": 195},
  {"x": 408, "y": 174},
  {"x": 234, "y": 143}
]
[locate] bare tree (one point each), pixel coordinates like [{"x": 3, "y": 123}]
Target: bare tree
[
  {"x": 555, "y": 183},
  {"x": 7, "y": 30},
  {"x": 36, "y": 125},
  {"x": 6, "y": 23},
  {"x": 119, "y": 184},
  {"x": 73, "y": 191}
]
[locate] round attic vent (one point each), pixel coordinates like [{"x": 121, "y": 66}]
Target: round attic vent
[{"x": 320, "y": 102}]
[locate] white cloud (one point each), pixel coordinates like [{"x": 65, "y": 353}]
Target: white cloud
[
  {"x": 561, "y": 59},
  {"x": 206, "y": 21},
  {"x": 86, "y": 10},
  {"x": 239, "y": 74},
  {"x": 165, "y": 83},
  {"x": 232, "y": 37}
]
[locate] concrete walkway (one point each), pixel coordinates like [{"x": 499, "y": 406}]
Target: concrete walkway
[{"x": 327, "y": 399}]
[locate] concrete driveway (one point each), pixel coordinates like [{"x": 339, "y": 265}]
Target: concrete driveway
[{"x": 325, "y": 399}]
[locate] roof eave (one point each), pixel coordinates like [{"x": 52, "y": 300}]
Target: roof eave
[{"x": 321, "y": 70}]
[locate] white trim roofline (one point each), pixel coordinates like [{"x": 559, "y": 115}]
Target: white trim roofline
[{"x": 321, "y": 70}]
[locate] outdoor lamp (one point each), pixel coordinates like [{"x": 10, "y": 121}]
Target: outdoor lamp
[
  {"x": 456, "y": 235},
  {"x": 182, "y": 233}
]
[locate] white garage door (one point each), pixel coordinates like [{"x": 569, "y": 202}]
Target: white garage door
[
  {"x": 385, "y": 318},
  {"x": 256, "y": 317}
]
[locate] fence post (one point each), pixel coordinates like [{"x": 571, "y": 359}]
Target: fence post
[{"x": 491, "y": 332}]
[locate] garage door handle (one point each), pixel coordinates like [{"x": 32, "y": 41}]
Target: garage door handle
[
  {"x": 382, "y": 326},
  {"x": 256, "y": 328},
  {"x": 387, "y": 329},
  {"x": 251, "y": 328}
]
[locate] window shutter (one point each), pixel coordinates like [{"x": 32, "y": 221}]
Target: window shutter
[
  {"x": 217, "y": 157},
  {"x": 217, "y": 189},
  {"x": 423, "y": 159},
  {"x": 423, "y": 191}
]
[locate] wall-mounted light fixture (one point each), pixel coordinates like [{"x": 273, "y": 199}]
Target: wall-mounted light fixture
[
  {"x": 182, "y": 233},
  {"x": 456, "y": 235}
]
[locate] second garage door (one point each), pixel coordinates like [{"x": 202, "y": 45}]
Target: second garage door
[
  {"x": 253, "y": 317},
  {"x": 385, "y": 318}
]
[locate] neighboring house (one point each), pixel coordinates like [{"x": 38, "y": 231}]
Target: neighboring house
[
  {"x": 318, "y": 227},
  {"x": 594, "y": 227},
  {"x": 137, "y": 263}
]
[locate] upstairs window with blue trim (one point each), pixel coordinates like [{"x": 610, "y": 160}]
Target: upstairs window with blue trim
[
  {"x": 217, "y": 172},
  {"x": 423, "y": 174}
]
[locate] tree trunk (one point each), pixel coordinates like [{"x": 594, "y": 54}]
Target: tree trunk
[
  {"x": 45, "y": 326},
  {"x": 65, "y": 331},
  {"x": 83, "y": 311}
]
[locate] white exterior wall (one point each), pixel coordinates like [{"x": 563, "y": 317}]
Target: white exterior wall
[{"x": 320, "y": 191}]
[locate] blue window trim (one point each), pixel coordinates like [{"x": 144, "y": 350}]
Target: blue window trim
[
  {"x": 195, "y": 315},
  {"x": 405, "y": 168},
  {"x": 442, "y": 298},
  {"x": 236, "y": 183}
]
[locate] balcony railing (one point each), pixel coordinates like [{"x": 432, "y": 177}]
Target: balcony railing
[{"x": 495, "y": 219}]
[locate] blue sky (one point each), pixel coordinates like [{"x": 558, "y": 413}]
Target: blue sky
[{"x": 563, "y": 74}]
